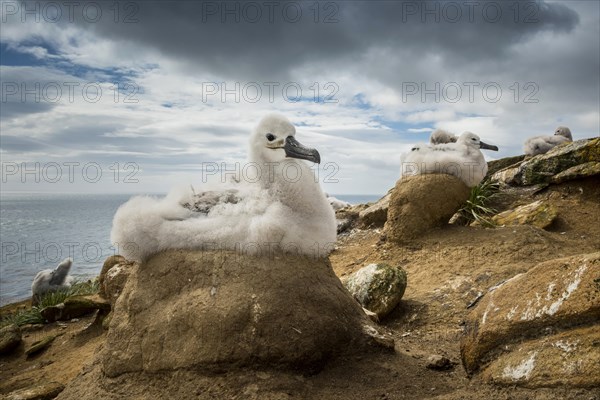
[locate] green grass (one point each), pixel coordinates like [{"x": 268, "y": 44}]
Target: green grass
[
  {"x": 477, "y": 206},
  {"x": 33, "y": 315}
]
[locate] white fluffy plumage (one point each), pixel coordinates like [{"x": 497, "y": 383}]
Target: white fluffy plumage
[
  {"x": 441, "y": 136},
  {"x": 336, "y": 203},
  {"x": 542, "y": 144},
  {"x": 462, "y": 159},
  {"x": 281, "y": 208},
  {"x": 50, "y": 280}
]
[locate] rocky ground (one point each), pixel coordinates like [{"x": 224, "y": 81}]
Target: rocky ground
[{"x": 450, "y": 271}]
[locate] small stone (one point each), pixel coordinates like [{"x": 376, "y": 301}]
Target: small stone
[
  {"x": 44, "y": 391},
  {"x": 377, "y": 287},
  {"x": 439, "y": 363},
  {"x": 10, "y": 338},
  {"x": 263, "y": 375},
  {"x": 40, "y": 345}
]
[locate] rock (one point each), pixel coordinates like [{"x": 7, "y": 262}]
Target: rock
[
  {"x": 74, "y": 307},
  {"x": 10, "y": 338},
  {"x": 347, "y": 217},
  {"x": 577, "y": 172},
  {"x": 108, "y": 264},
  {"x": 114, "y": 274},
  {"x": 375, "y": 215},
  {"x": 570, "y": 358},
  {"x": 377, "y": 287},
  {"x": 538, "y": 213},
  {"x": 220, "y": 310},
  {"x": 344, "y": 225},
  {"x": 372, "y": 316},
  {"x": 40, "y": 345},
  {"x": 52, "y": 313},
  {"x": 542, "y": 168},
  {"x": 539, "y": 328},
  {"x": 439, "y": 363},
  {"x": 422, "y": 202},
  {"x": 503, "y": 163},
  {"x": 44, "y": 391},
  {"x": 115, "y": 280}
]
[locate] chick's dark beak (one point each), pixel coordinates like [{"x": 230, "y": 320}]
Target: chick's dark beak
[
  {"x": 295, "y": 149},
  {"x": 483, "y": 145}
]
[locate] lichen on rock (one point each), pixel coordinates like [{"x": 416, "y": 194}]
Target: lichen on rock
[
  {"x": 539, "y": 214},
  {"x": 544, "y": 167},
  {"x": 377, "y": 287},
  {"x": 529, "y": 329}
]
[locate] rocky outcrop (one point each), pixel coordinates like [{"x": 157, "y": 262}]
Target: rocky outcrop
[
  {"x": 377, "y": 287},
  {"x": 375, "y": 215},
  {"x": 543, "y": 168},
  {"x": 539, "y": 214},
  {"x": 577, "y": 172},
  {"x": 42, "y": 391},
  {"x": 10, "y": 339},
  {"x": 220, "y": 310},
  {"x": 539, "y": 328},
  {"x": 497, "y": 165},
  {"x": 114, "y": 275},
  {"x": 75, "y": 307},
  {"x": 347, "y": 218},
  {"x": 421, "y": 202},
  {"x": 570, "y": 358}
]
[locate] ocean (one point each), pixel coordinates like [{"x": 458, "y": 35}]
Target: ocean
[{"x": 39, "y": 230}]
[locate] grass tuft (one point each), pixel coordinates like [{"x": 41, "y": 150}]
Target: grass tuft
[
  {"x": 33, "y": 315},
  {"x": 477, "y": 208}
]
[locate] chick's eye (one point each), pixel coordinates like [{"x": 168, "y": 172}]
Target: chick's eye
[{"x": 270, "y": 137}]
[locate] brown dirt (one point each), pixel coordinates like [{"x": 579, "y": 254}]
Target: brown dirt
[
  {"x": 447, "y": 269},
  {"x": 60, "y": 362}
]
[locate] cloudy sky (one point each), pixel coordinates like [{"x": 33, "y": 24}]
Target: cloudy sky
[{"x": 140, "y": 96}]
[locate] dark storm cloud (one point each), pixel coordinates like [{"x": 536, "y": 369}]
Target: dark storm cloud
[{"x": 230, "y": 44}]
